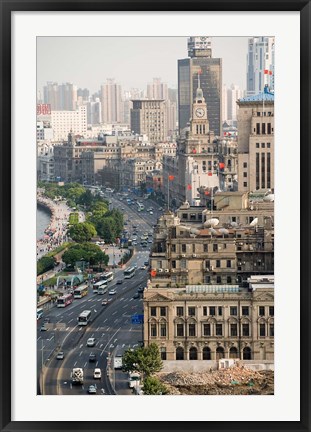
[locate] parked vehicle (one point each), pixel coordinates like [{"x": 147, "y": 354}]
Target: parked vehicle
[{"x": 77, "y": 376}]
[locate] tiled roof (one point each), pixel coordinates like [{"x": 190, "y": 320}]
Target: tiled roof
[{"x": 261, "y": 97}]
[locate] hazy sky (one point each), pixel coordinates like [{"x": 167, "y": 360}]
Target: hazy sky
[{"x": 132, "y": 61}]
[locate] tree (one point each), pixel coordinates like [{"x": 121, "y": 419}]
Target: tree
[
  {"x": 44, "y": 264},
  {"x": 82, "y": 232},
  {"x": 87, "y": 252},
  {"x": 145, "y": 360},
  {"x": 153, "y": 386}
]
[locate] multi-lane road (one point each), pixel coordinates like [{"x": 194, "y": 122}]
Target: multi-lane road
[{"x": 111, "y": 325}]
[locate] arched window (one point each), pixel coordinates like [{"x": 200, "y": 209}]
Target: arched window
[
  {"x": 193, "y": 353},
  {"x": 233, "y": 353},
  {"x": 247, "y": 353},
  {"x": 220, "y": 353},
  {"x": 206, "y": 353},
  {"x": 179, "y": 353}
]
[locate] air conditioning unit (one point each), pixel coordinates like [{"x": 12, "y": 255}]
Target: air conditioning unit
[
  {"x": 167, "y": 270},
  {"x": 194, "y": 255},
  {"x": 160, "y": 270},
  {"x": 241, "y": 244},
  {"x": 183, "y": 255}
]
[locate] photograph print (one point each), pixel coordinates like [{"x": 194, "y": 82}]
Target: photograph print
[{"x": 155, "y": 215}]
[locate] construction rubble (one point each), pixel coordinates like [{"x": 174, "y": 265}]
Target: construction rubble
[{"x": 237, "y": 380}]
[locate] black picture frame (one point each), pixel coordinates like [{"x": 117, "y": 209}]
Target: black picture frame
[{"x": 7, "y": 7}]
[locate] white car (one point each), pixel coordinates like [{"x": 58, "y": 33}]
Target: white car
[
  {"x": 112, "y": 292},
  {"x": 97, "y": 373},
  {"x": 91, "y": 342},
  {"x": 151, "y": 212}
]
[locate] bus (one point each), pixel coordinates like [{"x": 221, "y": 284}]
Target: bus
[
  {"x": 102, "y": 289},
  {"x": 141, "y": 207},
  {"x": 84, "y": 317},
  {"x": 80, "y": 292},
  {"x": 39, "y": 313},
  {"x": 107, "y": 276},
  {"x": 129, "y": 272},
  {"x": 64, "y": 300},
  {"x": 99, "y": 284}
]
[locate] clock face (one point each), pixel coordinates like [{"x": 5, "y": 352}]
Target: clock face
[{"x": 199, "y": 112}]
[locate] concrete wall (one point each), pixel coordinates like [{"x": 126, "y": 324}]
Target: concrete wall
[{"x": 205, "y": 365}]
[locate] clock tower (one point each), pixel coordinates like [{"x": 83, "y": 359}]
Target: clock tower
[{"x": 199, "y": 121}]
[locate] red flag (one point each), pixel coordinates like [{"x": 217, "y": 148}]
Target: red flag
[
  {"x": 266, "y": 71},
  {"x": 153, "y": 273},
  {"x": 189, "y": 187},
  {"x": 270, "y": 72},
  {"x": 171, "y": 177},
  {"x": 194, "y": 151},
  {"x": 221, "y": 165},
  {"x": 206, "y": 193},
  {"x": 209, "y": 173}
]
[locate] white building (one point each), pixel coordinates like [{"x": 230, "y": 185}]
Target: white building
[
  {"x": 63, "y": 122},
  {"x": 260, "y": 64}
]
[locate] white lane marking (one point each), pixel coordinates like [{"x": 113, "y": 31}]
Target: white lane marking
[
  {"x": 80, "y": 328},
  {"x": 43, "y": 346},
  {"x": 75, "y": 363},
  {"x": 85, "y": 364},
  {"x": 124, "y": 306},
  {"x": 50, "y": 338},
  {"x": 80, "y": 353},
  {"x": 116, "y": 320},
  {"x": 39, "y": 338},
  {"x": 81, "y": 346},
  {"x": 108, "y": 328},
  {"x": 130, "y": 299},
  {"x": 105, "y": 320},
  {"x": 125, "y": 322},
  {"x": 123, "y": 345},
  {"x": 59, "y": 314},
  {"x": 103, "y": 334},
  {"x": 70, "y": 313},
  {"x": 114, "y": 312},
  {"x": 59, "y": 321},
  {"x": 101, "y": 345},
  {"x": 70, "y": 320},
  {"x": 122, "y": 298},
  {"x": 96, "y": 364},
  {"x": 67, "y": 328},
  {"x": 95, "y": 310}
]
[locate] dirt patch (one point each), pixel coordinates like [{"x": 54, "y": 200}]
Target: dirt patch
[{"x": 237, "y": 380}]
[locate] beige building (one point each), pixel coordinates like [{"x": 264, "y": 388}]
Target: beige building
[
  {"x": 65, "y": 122},
  {"x": 210, "y": 322},
  {"x": 256, "y": 142},
  {"x": 150, "y": 117}
]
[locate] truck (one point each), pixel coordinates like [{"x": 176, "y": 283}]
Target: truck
[
  {"x": 77, "y": 376},
  {"x": 134, "y": 379},
  {"x": 117, "y": 362}
]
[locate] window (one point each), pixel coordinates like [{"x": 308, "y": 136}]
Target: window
[
  {"x": 262, "y": 330},
  {"x": 207, "y": 279},
  {"x": 205, "y": 247},
  {"x": 264, "y": 128},
  {"x": 218, "y": 279},
  {"x": 233, "y": 329},
  {"x": 218, "y": 329},
  {"x": 268, "y": 145},
  {"x": 271, "y": 330},
  {"x": 163, "y": 353},
  {"x": 261, "y": 310},
  {"x": 269, "y": 128},
  {"x": 215, "y": 247},
  {"x": 228, "y": 263},
  {"x": 217, "y": 263},
  {"x": 233, "y": 310},
  {"x": 205, "y": 310},
  {"x": 163, "y": 311},
  {"x": 220, "y": 310},
  {"x": 212, "y": 310},
  {"x": 153, "y": 330},
  {"x": 244, "y": 184},
  {"x": 263, "y": 145},
  {"x": 173, "y": 248},
  {"x": 257, "y": 145},
  {"x": 180, "y": 329},
  {"x": 206, "y": 329},
  {"x": 173, "y": 264},
  {"x": 245, "y": 329},
  {"x": 244, "y": 174},
  {"x": 229, "y": 279},
  {"x": 163, "y": 329},
  {"x": 271, "y": 310},
  {"x": 258, "y": 128},
  {"x": 245, "y": 310},
  {"x": 183, "y": 248},
  {"x": 180, "y": 311},
  {"x": 191, "y": 311},
  {"x": 153, "y": 311},
  {"x": 191, "y": 329}
]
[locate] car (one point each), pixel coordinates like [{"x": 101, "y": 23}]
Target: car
[
  {"x": 60, "y": 355},
  {"x": 120, "y": 281},
  {"x": 160, "y": 208},
  {"x": 150, "y": 241},
  {"x": 135, "y": 266},
  {"x": 151, "y": 212},
  {"x": 104, "y": 302},
  {"x": 92, "y": 389},
  {"x": 112, "y": 291},
  {"x": 143, "y": 267},
  {"x": 136, "y": 296},
  {"x": 134, "y": 243},
  {"x": 97, "y": 373},
  {"x": 134, "y": 238},
  {"x": 146, "y": 263},
  {"x": 92, "y": 357},
  {"x": 140, "y": 289},
  {"x": 91, "y": 342},
  {"x": 43, "y": 328},
  {"x": 46, "y": 320}
]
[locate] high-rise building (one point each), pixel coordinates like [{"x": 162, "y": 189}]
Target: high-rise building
[
  {"x": 233, "y": 94},
  {"x": 200, "y": 61},
  {"x": 256, "y": 142},
  {"x": 63, "y": 122},
  {"x": 260, "y": 64},
  {"x": 157, "y": 89},
  {"x": 149, "y": 117},
  {"x": 60, "y": 97},
  {"x": 111, "y": 100}
]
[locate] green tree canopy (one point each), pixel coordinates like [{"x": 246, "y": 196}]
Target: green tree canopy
[
  {"x": 145, "y": 360},
  {"x": 82, "y": 232},
  {"x": 88, "y": 252},
  {"x": 153, "y": 386}
]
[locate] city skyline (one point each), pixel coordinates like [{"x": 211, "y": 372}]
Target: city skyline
[{"x": 132, "y": 61}]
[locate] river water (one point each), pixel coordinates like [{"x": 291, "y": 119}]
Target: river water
[{"x": 43, "y": 219}]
